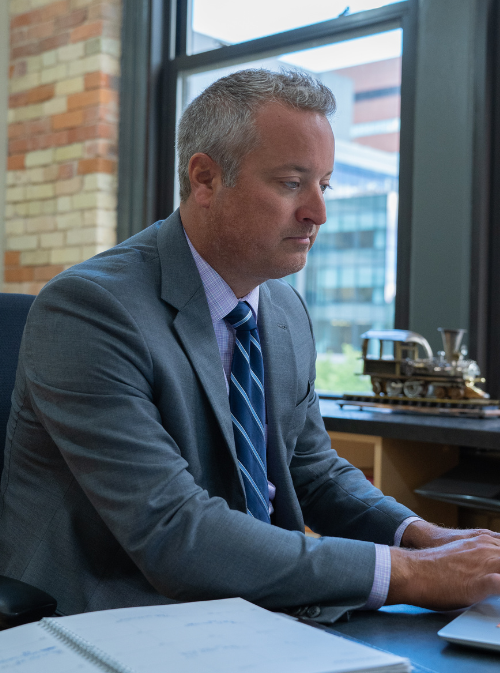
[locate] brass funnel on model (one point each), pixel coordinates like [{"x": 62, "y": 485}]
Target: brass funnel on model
[{"x": 452, "y": 338}]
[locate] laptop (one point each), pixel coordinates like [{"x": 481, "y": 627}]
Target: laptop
[{"x": 479, "y": 626}]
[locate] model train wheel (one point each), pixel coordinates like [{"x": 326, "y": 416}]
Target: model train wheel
[
  {"x": 440, "y": 392},
  {"x": 394, "y": 388},
  {"x": 414, "y": 388},
  {"x": 456, "y": 393},
  {"x": 378, "y": 386}
]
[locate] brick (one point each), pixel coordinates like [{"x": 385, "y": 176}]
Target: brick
[
  {"x": 97, "y": 165},
  {"x": 16, "y": 178},
  {"x": 10, "y": 210},
  {"x": 53, "y": 240},
  {"x": 53, "y": 42},
  {"x": 71, "y": 20},
  {"x": 28, "y": 81},
  {"x": 26, "y": 242},
  {"x": 69, "y": 220},
  {"x": 14, "y": 194},
  {"x": 24, "y": 50},
  {"x": 15, "y": 162},
  {"x": 51, "y": 173},
  {"x": 100, "y": 148},
  {"x": 39, "y": 158},
  {"x": 19, "y": 146},
  {"x": 101, "y": 113},
  {"x": 11, "y": 70},
  {"x": 35, "y": 258},
  {"x": 86, "y": 31},
  {"x": 15, "y": 130},
  {"x": 48, "y": 207},
  {"x": 41, "y": 93},
  {"x": 94, "y": 200},
  {"x": 20, "y": 69},
  {"x": 105, "y": 10},
  {"x": 99, "y": 182},
  {"x": 33, "y": 208},
  {"x": 34, "y": 64},
  {"x": 74, "y": 151},
  {"x": 19, "y": 275},
  {"x": 54, "y": 74},
  {"x": 18, "y": 99},
  {"x": 21, "y": 209},
  {"x": 93, "y": 97},
  {"x": 43, "y": 223},
  {"x": 28, "y": 112},
  {"x": 55, "y": 106},
  {"x": 47, "y": 272},
  {"x": 71, "y": 186},
  {"x": 97, "y": 80},
  {"x": 66, "y": 171},
  {"x": 89, "y": 235},
  {"x": 66, "y": 255},
  {"x": 20, "y": 20},
  {"x": 64, "y": 204},
  {"x": 39, "y": 3},
  {"x": 100, "y": 218},
  {"x": 69, "y": 86},
  {"x": 40, "y": 30},
  {"x": 43, "y": 191},
  {"x": 15, "y": 227},
  {"x": 103, "y": 45},
  {"x": 71, "y": 52},
  {"x": 91, "y": 250},
  {"x": 49, "y": 58},
  {"x": 11, "y": 258},
  {"x": 67, "y": 120},
  {"x": 17, "y": 36}
]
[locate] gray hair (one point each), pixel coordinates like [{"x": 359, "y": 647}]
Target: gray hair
[{"x": 220, "y": 121}]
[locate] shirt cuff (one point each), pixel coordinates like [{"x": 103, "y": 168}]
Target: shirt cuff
[
  {"x": 402, "y": 527},
  {"x": 381, "y": 579}
]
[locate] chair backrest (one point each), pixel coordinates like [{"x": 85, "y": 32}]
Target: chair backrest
[{"x": 14, "y": 310}]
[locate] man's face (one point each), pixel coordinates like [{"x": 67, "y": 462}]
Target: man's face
[{"x": 264, "y": 226}]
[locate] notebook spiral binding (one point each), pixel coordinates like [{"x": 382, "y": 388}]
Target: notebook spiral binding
[{"x": 83, "y": 647}]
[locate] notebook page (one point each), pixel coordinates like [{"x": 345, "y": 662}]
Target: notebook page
[
  {"x": 30, "y": 649},
  {"x": 224, "y": 636}
]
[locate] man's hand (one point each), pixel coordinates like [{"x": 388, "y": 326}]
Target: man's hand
[
  {"x": 449, "y": 576},
  {"x": 422, "y": 535}
]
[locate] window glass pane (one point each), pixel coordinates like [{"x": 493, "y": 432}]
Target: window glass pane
[
  {"x": 349, "y": 281},
  {"x": 216, "y": 23}
]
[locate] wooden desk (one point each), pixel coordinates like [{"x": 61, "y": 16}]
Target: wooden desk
[{"x": 404, "y": 451}]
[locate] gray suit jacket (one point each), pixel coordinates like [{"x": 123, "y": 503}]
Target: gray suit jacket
[{"x": 121, "y": 485}]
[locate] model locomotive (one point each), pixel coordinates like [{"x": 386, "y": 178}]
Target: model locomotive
[{"x": 402, "y": 373}]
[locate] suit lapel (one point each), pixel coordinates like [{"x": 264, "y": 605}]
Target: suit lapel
[
  {"x": 280, "y": 371},
  {"x": 182, "y": 288}
]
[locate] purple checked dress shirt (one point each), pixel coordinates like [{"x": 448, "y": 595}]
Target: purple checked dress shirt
[{"x": 221, "y": 300}]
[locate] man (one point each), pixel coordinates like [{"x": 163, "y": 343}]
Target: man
[{"x": 154, "y": 457}]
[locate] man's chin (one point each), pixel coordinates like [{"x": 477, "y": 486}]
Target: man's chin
[{"x": 290, "y": 267}]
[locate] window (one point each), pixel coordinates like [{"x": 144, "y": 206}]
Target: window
[{"x": 360, "y": 51}]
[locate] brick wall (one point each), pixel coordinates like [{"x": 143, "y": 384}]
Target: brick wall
[{"x": 63, "y": 126}]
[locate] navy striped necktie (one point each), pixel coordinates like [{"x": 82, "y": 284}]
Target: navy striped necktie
[{"x": 248, "y": 410}]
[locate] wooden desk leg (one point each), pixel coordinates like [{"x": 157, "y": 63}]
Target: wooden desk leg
[{"x": 401, "y": 466}]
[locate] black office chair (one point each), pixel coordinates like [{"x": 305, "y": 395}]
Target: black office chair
[{"x": 19, "y": 602}]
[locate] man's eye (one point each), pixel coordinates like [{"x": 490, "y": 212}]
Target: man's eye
[
  {"x": 325, "y": 187},
  {"x": 292, "y": 185}
]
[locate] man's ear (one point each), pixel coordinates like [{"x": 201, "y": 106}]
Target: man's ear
[{"x": 204, "y": 176}]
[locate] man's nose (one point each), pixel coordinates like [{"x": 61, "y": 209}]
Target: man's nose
[{"x": 313, "y": 208}]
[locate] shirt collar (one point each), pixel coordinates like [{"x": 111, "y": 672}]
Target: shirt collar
[{"x": 221, "y": 299}]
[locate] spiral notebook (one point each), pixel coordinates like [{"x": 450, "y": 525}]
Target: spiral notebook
[{"x": 222, "y": 636}]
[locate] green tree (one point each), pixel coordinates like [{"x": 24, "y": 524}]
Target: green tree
[{"x": 339, "y": 375}]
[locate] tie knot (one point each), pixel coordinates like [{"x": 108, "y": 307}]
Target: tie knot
[{"x": 241, "y": 317}]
